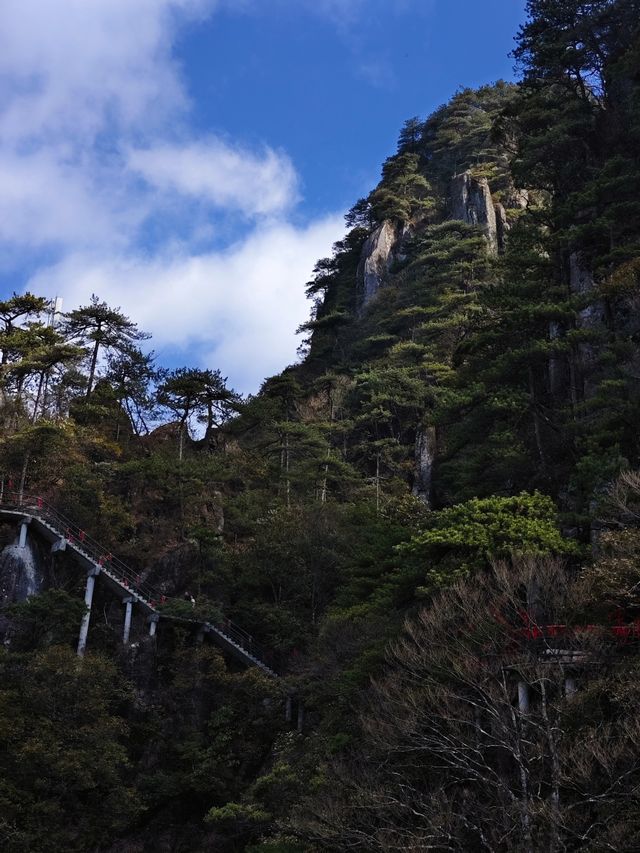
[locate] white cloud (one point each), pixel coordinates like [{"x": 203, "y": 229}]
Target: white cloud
[
  {"x": 79, "y": 79},
  {"x": 46, "y": 201},
  {"x": 96, "y": 144},
  {"x": 236, "y": 310},
  {"x": 77, "y": 66},
  {"x": 228, "y": 177}
]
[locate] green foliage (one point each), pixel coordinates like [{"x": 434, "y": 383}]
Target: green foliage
[
  {"x": 236, "y": 813},
  {"x": 468, "y": 536},
  {"x": 63, "y": 756},
  {"x": 459, "y": 135},
  {"x": 404, "y": 193},
  {"x": 51, "y": 618},
  {"x": 189, "y": 393},
  {"x": 204, "y": 610},
  {"x": 100, "y": 327}
]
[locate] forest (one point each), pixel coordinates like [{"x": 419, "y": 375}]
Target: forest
[{"x": 431, "y": 521}]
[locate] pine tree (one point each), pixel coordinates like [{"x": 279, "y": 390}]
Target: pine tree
[{"x": 102, "y": 328}]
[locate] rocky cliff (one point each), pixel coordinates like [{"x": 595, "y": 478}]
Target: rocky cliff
[
  {"x": 376, "y": 261},
  {"x": 471, "y": 202}
]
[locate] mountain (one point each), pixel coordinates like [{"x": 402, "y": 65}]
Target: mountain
[{"x": 429, "y": 526}]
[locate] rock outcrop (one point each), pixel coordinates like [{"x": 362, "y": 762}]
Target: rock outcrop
[
  {"x": 471, "y": 202},
  {"x": 515, "y": 199},
  {"x": 580, "y": 276},
  {"x": 502, "y": 226},
  {"x": 557, "y": 372},
  {"x": 591, "y": 317},
  {"x": 376, "y": 260},
  {"x": 170, "y": 573},
  {"x": 425, "y": 454}
]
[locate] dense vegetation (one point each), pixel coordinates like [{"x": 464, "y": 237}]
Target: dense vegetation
[{"x": 450, "y": 466}]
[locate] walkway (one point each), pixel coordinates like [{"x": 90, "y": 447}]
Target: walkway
[{"x": 37, "y": 514}]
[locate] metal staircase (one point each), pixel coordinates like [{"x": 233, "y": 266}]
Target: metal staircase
[{"x": 124, "y": 581}]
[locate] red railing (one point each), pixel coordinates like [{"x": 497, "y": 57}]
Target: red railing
[
  {"x": 85, "y": 544},
  {"x": 115, "y": 568},
  {"x": 533, "y": 631}
]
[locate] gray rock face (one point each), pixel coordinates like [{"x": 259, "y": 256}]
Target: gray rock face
[
  {"x": 591, "y": 317},
  {"x": 515, "y": 198},
  {"x": 170, "y": 573},
  {"x": 471, "y": 202},
  {"x": 215, "y": 512},
  {"x": 580, "y": 278},
  {"x": 502, "y": 226},
  {"x": 425, "y": 454},
  {"x": 377, "y": 256},
  {"x": 557, "y": 377}
]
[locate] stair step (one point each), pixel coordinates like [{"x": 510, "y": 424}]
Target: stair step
[{"x": 54, "y": 528}]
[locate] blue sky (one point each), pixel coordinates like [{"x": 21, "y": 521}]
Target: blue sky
[{"x": 190, "y": 160}]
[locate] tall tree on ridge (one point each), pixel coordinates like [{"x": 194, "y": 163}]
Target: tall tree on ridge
[
  {"x": 24, "y": 305},
  {"x": 188, "y": 391},
  {"x": 101, "y": 327}
]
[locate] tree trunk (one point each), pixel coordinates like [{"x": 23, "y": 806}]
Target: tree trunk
[
  {"x": 23, "y": 475},
  {"x": 536, "y": 418},
  {"x": 181, "y": 440},
  {"x": 34, "y": 416},
  {"x": 525, "y": 814},
  {"x": 92, "y": 368},
  {"x": 555, "y": 771},
  {"x": 323, "y": 493},
  {"x": 209, "y": 429},
  {"x": 286, "y": 468},
  {"x": 45, "y": 392},
  {"x": 134, "y": 425}
]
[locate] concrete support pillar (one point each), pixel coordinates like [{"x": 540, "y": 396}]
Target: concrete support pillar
[
  {"x": 153, "y": 624},
  {"x": 570, "y": 686},
  {"x": 88, "y": 598},
  {"x": 22, "y": 542},
  {"x": 300, "y": 721},
  {"x": 288, "y": 709},
  {"x": 523, "y": 697},
  {"x": 128, "y": 612}
]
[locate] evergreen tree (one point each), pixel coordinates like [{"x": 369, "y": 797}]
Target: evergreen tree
[
  {"x": 189, "y": 392},
  {"x": 102, "y": 328},
  {"x": 19, "y": 306},
  {"x": 403, "y": 193}
]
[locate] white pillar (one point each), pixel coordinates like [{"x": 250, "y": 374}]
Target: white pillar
[
  {"x": 22, "y": 543},
  {"x": 88, "y": 598},
  {"x": 128, "y": 610},
  {"x": 570, "y": 686},
  {"x": 523, "y": 697},
  {"x": 153, "y": 623}
]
